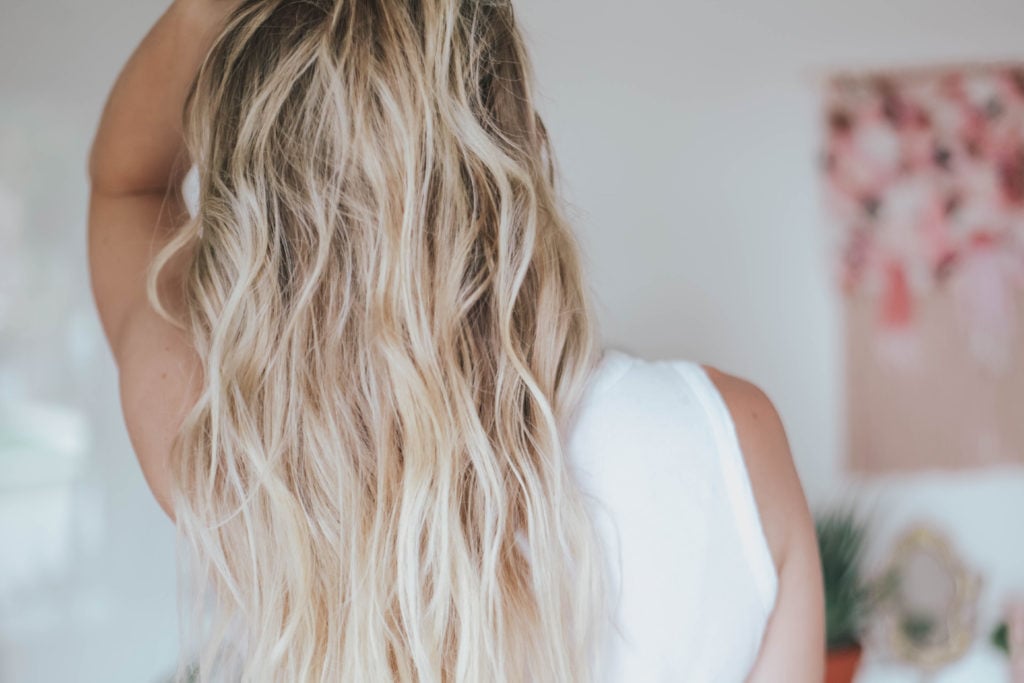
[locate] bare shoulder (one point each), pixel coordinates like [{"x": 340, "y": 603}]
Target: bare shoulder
[
  {"x": 159, "y": 381},
  {"x": 794, "y": 644},
  {"x": 767, "y": 455}
]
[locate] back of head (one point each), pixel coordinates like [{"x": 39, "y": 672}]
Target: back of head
[{"x": 394, "y": 331}]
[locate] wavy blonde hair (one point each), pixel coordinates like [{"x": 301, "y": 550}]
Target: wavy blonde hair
[{"x": 390, "y": 311}]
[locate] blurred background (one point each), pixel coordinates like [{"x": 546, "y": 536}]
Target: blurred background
[{"x": 820, "y": 196}]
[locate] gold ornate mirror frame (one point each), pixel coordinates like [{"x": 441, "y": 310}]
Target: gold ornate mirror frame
[{"x": 951, "y": 636}]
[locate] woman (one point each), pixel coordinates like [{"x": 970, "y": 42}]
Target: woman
[{"x": 364, "y": 380}]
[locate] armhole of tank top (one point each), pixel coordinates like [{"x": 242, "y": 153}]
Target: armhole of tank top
[{"x": 736, "y": 477}]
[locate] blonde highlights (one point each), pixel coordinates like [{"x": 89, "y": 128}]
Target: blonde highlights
[{"x": 394, "y": 330}]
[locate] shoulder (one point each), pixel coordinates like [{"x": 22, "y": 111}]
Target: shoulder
[
  {"x": 766, "y": 453},
  {"x": 793, "y": 645}
]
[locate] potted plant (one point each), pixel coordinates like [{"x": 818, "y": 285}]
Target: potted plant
[
  {"x": 848, "y": 595},
  {"x": 1009, "y": 637}
]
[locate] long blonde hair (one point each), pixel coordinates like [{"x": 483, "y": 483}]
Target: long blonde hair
[{"x": 394, "y": 329}]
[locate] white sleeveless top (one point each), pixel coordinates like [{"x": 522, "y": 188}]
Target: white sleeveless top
[{"x": 693, "y": 583}]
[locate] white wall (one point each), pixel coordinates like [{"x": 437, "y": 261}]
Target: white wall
[
  {"x": 687, "y": 134},
  {"x": 87, "y": 573}
]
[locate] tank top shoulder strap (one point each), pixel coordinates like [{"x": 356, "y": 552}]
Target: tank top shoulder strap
[
  {"x": 692, "y": 578},
  {"x": 613, "y": 365},
  {"x": 735, "y": 477}
]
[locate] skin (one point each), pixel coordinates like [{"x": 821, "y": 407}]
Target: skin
[
  {"x": 794, "y": 645},
  {"x": 136, "y": 167},
  {"x": 137, "y": 163}
]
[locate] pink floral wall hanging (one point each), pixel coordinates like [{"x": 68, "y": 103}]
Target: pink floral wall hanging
[{"x": 924, "y": 179}]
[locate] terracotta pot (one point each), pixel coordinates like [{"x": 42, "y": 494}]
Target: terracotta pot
[{"x": 841, "y": 664}]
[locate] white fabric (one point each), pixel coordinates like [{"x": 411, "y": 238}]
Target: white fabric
[{"x": 654, "y": 447}]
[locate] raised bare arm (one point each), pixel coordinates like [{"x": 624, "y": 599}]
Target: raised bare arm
[{"x": 136, "y": 167}]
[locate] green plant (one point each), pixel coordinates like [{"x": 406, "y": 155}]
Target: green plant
[
  {"x": 848, "y": 595},
  {"x": 1000, "y": 637}
]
